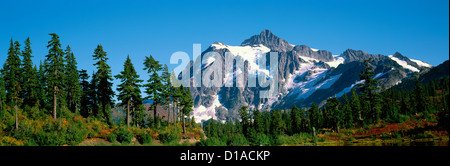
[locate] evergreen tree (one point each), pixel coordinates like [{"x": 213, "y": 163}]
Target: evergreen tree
[
  {"x": 12, "y": 78},
  {"x": 245, "y": 119},
  {"x": 368, "y": 89},
  {"x": 104, "y": 83},
  {"x": 42, "y": 97},
  {"x": 73, "y": 88},
  {"x": 314, "y": 116},
  {"x": 54, "y": 70},
  {"x": 85, "y": 88},
  {"x": 278, "y": 126},
  {"x": 129, "y": 92},
  {"x": 419, "y": 100},
  {"x": 296, "y": 119},
  {"x": 258, "y": 122},
  {"x": 30, "y": 80},
  {"x": 154, "y": 85},
  {"x": 347, "y": 112},
  {"x": 334, "y": 113},
  {"x": 166, "y": 89},
  {"x": 355, "y": 105},
  {"x": 187, "y": 103}
]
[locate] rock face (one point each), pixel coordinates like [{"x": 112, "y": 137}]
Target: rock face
[{"x": 305, "y": 75}]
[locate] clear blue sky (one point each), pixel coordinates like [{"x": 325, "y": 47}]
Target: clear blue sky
[{"x": 417, "y": 29}]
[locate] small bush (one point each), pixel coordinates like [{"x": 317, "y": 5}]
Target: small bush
[
  {"x": 211, "y": 141},
  {"x": 237, "y": 140},
  {"x": 124, "y": 135}
]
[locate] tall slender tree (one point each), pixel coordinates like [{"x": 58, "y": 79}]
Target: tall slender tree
[
  {"x": 154, "y": 85},
  {"x": 12, "y": 76},
  {"x": 129, "y": 92},
  {"x": 368, "y": 89},
  {"x": 104, "y": 83},
  {"x": 54, "y": 70},
  {"x": 85, "y": 88},
  {"x": 73, "y": 88},
  {"x": 29, "y": 80},
  {"x": 187, "y": 103}
]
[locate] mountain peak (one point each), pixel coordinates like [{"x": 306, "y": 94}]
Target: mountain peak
[{"x": 268, "y": 39}]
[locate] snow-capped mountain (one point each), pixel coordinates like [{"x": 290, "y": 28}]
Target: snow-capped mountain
[{"x": 305, "y": 75}]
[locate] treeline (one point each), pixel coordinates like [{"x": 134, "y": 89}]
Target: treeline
[
  {"x": 364, "y": 106},
  {"x": 56, "y": 88}
]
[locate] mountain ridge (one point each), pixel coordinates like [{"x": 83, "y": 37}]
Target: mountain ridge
[{"x": 305, "y": 75}]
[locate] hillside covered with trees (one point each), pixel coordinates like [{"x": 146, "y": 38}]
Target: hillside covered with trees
[{"x": 55, "y": 103}]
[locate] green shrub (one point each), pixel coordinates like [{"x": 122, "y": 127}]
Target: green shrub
[
  {"x": 144, "y": 138},
  {"x": 211, "y": 141},
  {"x": 169, "y": 136},
  {"x": 124, "y": 135},
  {"x": 261, "y": 140},
  {"x": 112, "y": 137},
  {"x": 237, "y": 140},
  {"x": 286, "y": 140}
]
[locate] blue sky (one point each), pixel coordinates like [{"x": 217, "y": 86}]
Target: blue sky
[{"x": 417, "y": 29}]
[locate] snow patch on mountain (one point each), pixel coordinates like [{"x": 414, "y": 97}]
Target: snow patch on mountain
[
  {"x": 404, "y": 64},
  {"x": 421, "y": 63},
  {"x": 337, "y": 61},
  {"x": 205, "y": 113}
]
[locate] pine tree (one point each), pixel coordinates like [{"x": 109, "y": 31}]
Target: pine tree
[
  {"x": 347, "y": 112},
  {"x": 42, "y": 97},
  {"x": 278, "y": 127},
  {"x": 258, "y": 122},
  {"x": 419, "y": 100},
  {"x": 129, "y": 92},
  {"x": 295, "y": 119},
  {"x": 154, "y": 85},
  {"x": 355, "y": 105},
  {"x": 73, "y": 88},
  {"x": 85, "y": 89},
  {"x": 12, "y": 78},
  {"x": 368, "y": 89},
  {"x": 93, "y": 95},
  {"x": 54, "y": 70},
  {"x": 30, "y": 80},
  {"x": 104, "y": 83},
  {"x": 167, "y": 88},
  {"x": 186, "y": 103},
  {"x": 334, "y": 113},
  {"x": 314, "y": 116},
  {"x": 244, "y": 114}
]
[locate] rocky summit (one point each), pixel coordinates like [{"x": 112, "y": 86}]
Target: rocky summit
[{"x": 305, "y": 75}]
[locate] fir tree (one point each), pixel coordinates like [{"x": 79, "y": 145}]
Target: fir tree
[
  {"x": 334, "y": 113},
  {"x": 154, "y": 85},
  {"x": 73, "y": 89},
  {"x": 104, "y": 83},
  {"x": 295, "y": 119},
  {"x": 54, "y": 70},
  {"x": 314, "y": 116},
  {"x": 186, "y": 103},
  {"x": 129, "y": 92},
  {"x": 368, "y": 89},
  {"x": 85, "y": 88},
  {"x": 29, "y": 80},
  {"x": 12, "y": 78}
]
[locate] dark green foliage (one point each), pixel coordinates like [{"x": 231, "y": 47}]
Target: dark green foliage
[
  {"x": 72, "y": 84},
  {"x": 54, "y": 71},
  {"x": 124, "y": 135},
  {"x": 103, "y": 85},
  {"x": 30, "y": 81},
  {"x": 129, "y": 92},
  {"x": 154, "y": 86}
]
